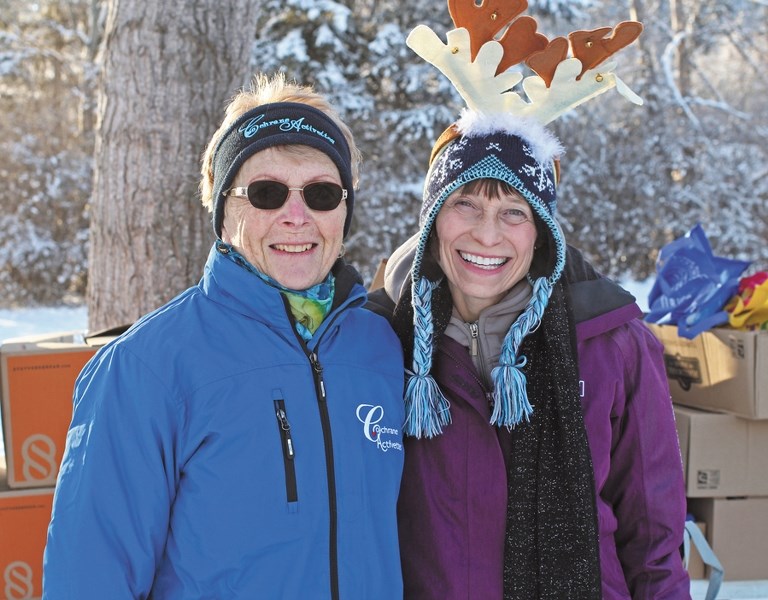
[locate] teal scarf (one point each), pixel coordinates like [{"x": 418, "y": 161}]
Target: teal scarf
[{"x": 309, "y": 307}]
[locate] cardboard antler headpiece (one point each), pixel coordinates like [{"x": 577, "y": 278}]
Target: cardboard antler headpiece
[{"x": 477, "y": 62}]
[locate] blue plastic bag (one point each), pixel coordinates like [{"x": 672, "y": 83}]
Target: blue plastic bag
[{"x": 692, "y": 285}]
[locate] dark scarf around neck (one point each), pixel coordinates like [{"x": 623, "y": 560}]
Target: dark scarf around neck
[{"x": 552, "y": 545}]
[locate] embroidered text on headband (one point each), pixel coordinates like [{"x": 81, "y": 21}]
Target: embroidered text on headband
[{"x": 278, "y": 124}]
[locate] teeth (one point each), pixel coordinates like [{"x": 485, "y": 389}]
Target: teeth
[
  {"x": 483, "y": 261},
  {"x": 298, "y": 248}
]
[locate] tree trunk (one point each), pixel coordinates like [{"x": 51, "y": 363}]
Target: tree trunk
[{"x": 167, "y": 70}]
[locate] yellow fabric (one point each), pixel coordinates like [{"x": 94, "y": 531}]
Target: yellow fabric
[
  {"x": 749, "y": 309},
  {"x": 306, "y": 311}
]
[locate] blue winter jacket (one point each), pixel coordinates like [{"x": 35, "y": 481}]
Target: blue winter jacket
[{"x": 214, "y": 455}]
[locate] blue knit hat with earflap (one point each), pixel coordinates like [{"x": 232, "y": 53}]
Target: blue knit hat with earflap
[{"x": 523, "y": 155}]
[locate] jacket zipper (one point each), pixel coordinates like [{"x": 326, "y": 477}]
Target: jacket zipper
[
  {"x": 474, "y": 333},
  {"x": 475, "y": 352},
  {"x": 325, "y": 420},
  {"x": 286, "y": 439}
]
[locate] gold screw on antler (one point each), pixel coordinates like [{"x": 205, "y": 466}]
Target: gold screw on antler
[
  {"x": 455, "y": 50},
  {"x": 590, "y": 43},
  {"x": 598, "y": 78},
  {"x": 494, "y": 15}
]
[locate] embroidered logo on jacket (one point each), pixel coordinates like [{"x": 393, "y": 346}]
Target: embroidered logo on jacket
[{"x": 385, "y": 438}]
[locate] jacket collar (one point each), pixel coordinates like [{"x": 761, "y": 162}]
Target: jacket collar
[{"x": 233, "y": 286}]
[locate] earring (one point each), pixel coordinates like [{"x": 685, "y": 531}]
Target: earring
[{"x": 342, "y": 251}]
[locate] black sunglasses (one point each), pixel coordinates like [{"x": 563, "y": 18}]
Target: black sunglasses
[{"x": 270, "y": 195}]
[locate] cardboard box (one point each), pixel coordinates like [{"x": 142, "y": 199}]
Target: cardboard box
[
  {"x": 723, "y": 455},
  {"x": 721, "y": 369},
  {"x": 38, "y": 376},
  {"x": 24, "y": 517},
  {"x": 378, "y": 278},
  {"x": 737, "y": 531}
]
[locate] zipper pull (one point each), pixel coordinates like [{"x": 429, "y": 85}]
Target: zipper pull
[
  {"x": 474, "y": 332},
  {"x": 285, "y": 426},
  {"x": 315, "y": 362},
  {"x": 318, "y": 369}
]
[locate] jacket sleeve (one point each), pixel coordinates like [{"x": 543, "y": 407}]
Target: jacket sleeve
[
  {"x": 645, "y": 483},
  {"x": 116, "y": 483}
]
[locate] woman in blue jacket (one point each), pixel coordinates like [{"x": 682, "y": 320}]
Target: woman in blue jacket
[{"x": 244, "y": 440}]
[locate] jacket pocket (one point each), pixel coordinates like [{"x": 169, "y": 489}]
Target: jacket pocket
[{"x": 289, "y": 454}]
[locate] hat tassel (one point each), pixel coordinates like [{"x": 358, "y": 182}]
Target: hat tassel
[
  {"x": 427, "y": 409},
  {"x": 511, "y": 405}
]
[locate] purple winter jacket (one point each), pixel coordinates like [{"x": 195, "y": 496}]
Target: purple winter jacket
[{"x": 453, "y": 501}]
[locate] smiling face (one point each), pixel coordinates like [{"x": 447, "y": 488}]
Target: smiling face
[
  {"x": 294, "y": 245},
  {"x": 485, "y": 245}
]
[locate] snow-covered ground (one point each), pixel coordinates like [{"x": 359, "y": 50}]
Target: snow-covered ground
[
  {"x": 33, "y": 321},
  {"x": 640, "y": 290},
  {"x": 732, "y": 590}
]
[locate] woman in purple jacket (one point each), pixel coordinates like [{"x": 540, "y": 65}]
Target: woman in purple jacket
[{"x": 542, "y": 459}]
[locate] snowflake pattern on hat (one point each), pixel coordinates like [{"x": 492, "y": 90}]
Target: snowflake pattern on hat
[
  {"x": 501, "y": 156},
  {"x": 537, "y": 173}
]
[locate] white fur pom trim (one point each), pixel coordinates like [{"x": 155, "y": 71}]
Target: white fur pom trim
[{"x": 545, "y": 146}]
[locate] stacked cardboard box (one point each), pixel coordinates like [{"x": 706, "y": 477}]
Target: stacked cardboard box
[
  {"x": 719, "y": 383},
  {"x": 721, "y": 370},
  {"x": 38, "y": 375},
  {"x": 24, "y": 516}
]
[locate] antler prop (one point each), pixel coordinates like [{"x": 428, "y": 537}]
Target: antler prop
[{"x": 477, "y": 64}]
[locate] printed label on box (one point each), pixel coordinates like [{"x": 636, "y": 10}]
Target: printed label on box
[
  {"x": 18, "y": 580},
  {"x": 708, "y": 479},
  {"x": 737, "y": 347},
  {"x": 684, "y": 369}
]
